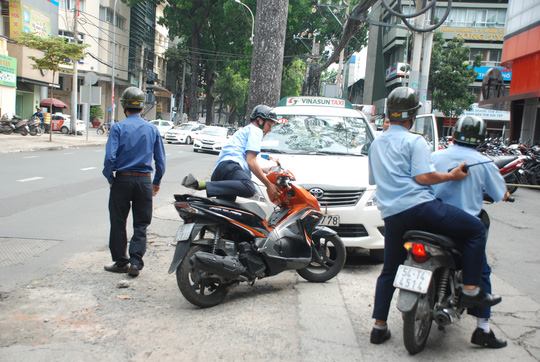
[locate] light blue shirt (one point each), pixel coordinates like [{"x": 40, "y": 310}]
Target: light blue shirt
[
  {"x": 395, "y": 158},
  {"x": 246, "y": 139},
  {"x": 467, "y": 194}
]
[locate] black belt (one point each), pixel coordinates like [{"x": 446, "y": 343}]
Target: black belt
[{"x": 132, "y": 173}]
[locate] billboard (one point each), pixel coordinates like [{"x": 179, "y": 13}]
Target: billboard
[{"x": 33, "y": 16}]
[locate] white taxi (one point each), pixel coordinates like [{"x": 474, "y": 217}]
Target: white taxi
[{"x": 324, "y": 142}]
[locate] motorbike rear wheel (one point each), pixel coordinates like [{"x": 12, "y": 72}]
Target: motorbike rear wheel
[
  {"x": 332, "y": 259},
  {"x": 23, "y": 132},
  {"x": 194, "y": 283},
  {"x": 417, "y": 322},
  {"x": 512, "y": 179}
]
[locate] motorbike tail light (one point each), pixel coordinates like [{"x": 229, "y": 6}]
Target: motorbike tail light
[
  {"x": 418, "y": 251},
  {"x": 185, "y": 207}
]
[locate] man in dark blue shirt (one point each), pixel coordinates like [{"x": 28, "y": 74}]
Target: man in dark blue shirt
[{"x": 131, "y": 146}]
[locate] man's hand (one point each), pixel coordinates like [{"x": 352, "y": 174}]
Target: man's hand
[
  {"x": 155, "y": 189},
  {"x": 272, "y": 191},
  {"x": 458, "y": 173}
]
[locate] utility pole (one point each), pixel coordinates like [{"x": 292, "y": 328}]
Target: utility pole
[
  {"x": 113, "y": 96},
  {"x": 340, "y": 81},
  {"x": 74, "y": 83}
]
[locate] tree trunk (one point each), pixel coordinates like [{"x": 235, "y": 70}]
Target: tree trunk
[
  {"x": 210, "y": 80},
  {"x": 268, "y": 48},
  {"x": 194, "y": 83},
  {"x": 312, "y": 83}
]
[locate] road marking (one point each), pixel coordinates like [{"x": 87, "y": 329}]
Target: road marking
[
  {"x": 68, "y": 153},
  {"x": 30, "y": 156},
  {"x": 87, "y": 168},
  {"x": 30, "y": 179}
]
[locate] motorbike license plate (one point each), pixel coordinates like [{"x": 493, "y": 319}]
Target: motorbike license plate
[
  {"x": 329, "y": 220},
  {"x": 413, "y": 279},
  {"x": 184, "y": 232}
]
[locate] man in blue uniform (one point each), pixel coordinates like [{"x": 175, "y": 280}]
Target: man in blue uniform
[
  {"x": 484, "y": 177},
  {"x": 237, "y": 159},
  {"x": 131, "y": 146},
  {"x": 400, "y": 165}
]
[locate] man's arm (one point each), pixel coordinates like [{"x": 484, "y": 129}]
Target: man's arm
[
  {"x": 433, "y": 178},
  {"x": 251, "y": 159},
  {"x": 159, "y": 159},
  {"x": 110, "y": 155}
]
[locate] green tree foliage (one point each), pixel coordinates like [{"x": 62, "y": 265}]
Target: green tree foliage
[
  {"x": 450, "y": 76},
  {"x": 293, "y": 76},
  {"x": 95, "y": 112},
  {"x": 232, "y": 88}
]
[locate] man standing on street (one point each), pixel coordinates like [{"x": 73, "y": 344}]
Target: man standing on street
[{"x": 131, "y": 146}]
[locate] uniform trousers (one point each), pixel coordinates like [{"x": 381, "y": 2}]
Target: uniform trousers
[{"x": 230, "y": 180}]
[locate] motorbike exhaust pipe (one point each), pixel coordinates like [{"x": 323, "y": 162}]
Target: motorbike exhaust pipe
[{"x": 225, "y": 266}]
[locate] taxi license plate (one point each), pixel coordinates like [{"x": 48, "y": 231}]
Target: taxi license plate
[
  {"x": 184, "y": 232},
  {"x": 329, "y": 220},
  {"x": 413, "y": 279}
]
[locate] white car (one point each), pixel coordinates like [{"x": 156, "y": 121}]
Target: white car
[
  {"x": 62, "y": 122},
  {"x": 184, "y": 133},
  {"x": 162, "y": 126},
  {"x": 211, "y": 139},
  {"x": 325, "y": 143}
]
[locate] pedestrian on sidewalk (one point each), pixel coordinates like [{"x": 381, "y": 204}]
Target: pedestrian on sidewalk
[
  {"x": 468, "y": 195},
  {"x": 131, "y": 146},
  {"x": 39, "y": 114}
]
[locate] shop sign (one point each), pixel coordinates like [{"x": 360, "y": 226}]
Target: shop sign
[
  {"x": 487, "y": 114},
  {"x": 397, "y": 70},
  {"x": 481, "y": 72},
  {"x": 490, "y": 34},
  {"x": 25, "y": 19},
  {"x": 8, "y": 71}
]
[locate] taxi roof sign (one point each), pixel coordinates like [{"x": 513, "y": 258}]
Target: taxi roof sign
[{"x": 315, "y": 101}]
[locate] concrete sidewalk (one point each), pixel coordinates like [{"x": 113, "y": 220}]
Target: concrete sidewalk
[{"x": 17, "y": 143}]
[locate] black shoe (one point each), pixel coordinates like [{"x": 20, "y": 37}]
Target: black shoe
[
  {"x": 487, "y": 340},
  {"x": 133, "y": 271},
  {"x": 480, "y": 300},
  {"x": 116, "y": 268},
  {"x": 190, "y": 182},
  {"x": 379, "y": 336}
]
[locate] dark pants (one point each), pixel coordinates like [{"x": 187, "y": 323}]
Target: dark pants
[
  {"x": 126, "y": 192},
  {"x": 485, "y": 282},
  {"x": 230, "y": 180},
  {"x": 435, "y": 217}
]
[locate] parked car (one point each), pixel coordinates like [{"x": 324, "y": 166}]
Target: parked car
[
  {"x": 62, "y": 122},
  {"x": 211, "y": 139},
  {"x": 324, "y": 142},
  {"x": 184, "y": 133},
  {"x": 162, "y": 126}
]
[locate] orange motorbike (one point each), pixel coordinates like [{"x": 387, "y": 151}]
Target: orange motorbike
[{"x": 223, "y": 243}]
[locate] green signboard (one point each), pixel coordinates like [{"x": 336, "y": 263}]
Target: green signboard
[{"x": 8, "y": 71}]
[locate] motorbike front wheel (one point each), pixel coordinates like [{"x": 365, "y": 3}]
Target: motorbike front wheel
[
  {"x": 23, "y": 132},
  {"x": 198, "y": 287},
  {"x": 417, "y": 322},
  {"x": 100, "y": 131},
  {"x": 328, "y": 258}
]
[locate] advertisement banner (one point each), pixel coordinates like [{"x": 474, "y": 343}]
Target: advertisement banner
[
  {"x": 481, "y": 72},
  {"x": 8, "y": 71},
  {"x": 15, "y": 18},
  {"x": 35, "y": 21}
]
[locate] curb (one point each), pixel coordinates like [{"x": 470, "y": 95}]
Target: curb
[{"x": 51, "y": 148}]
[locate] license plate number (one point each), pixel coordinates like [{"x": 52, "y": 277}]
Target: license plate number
[
  {"x": 413, "y": 279},
  {"x": 329, "y": 220},
  {"x": 184, "y": 232}
]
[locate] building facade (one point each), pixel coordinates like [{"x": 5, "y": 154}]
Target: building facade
[
  {"x": 480, "y": 23},
  {"x": 22, "y": 94}
]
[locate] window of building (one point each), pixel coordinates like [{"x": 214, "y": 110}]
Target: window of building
[
  {"x": 106, "y": 14},
  {"x": 488, "y": 57},
  {"x": 469, "y": 17},
  {"x": 68, "y": 35},
  {"x": 70, "y": 4}
]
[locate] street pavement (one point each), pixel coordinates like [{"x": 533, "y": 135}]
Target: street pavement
[
  {"x": 57, "y": 303},
  {"x": 17, "y": 143}
]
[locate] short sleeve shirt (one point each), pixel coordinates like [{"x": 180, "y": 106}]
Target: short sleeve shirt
[
  {"x": 246, "y": 139},
  {"x": 467, "y": 194},
  {"x": 395, "y": 158}
]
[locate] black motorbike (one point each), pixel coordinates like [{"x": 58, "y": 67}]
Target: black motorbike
[
  {"x": 14, "y": 125},
  {"x": 429, "y": 283},
  {"x": 34, "y": 126},
  {"x": 223, "y": 243}
]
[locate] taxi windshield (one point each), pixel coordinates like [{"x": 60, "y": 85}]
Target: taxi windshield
[{"x": 326, "y": 135}]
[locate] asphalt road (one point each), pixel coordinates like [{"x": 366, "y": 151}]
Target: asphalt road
[{"x": 54, "y": 204}]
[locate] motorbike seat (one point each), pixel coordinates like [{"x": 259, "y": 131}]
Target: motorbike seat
[
  {"x": 436, "y": 239},
  {"x": 246, "y": 206},
  {"x": 502, "y": 161}
]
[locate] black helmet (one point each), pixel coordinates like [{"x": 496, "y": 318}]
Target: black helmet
[
  {"x": 263, "y": 112},
  {"x": 470, "y": 131},
  {"x": 402, "y": 104},
  {"x": 132, "y": 98}
]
